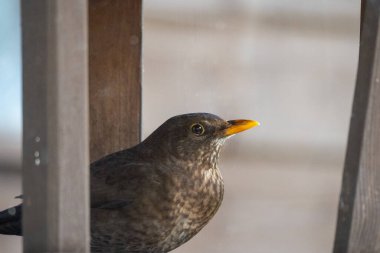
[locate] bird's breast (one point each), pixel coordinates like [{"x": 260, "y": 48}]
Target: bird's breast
[{"x": 195, "y": 204}]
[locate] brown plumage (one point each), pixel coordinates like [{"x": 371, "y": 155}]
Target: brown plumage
[{"x": 155, "y": 196}]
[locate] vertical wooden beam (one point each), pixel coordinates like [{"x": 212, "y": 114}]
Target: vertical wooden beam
[
  {"x": 115, "y": 75},
  {"x": 55, "y": 123},
  {"x": 358, "y": 226},
  {"x": 362, "y": 12}
]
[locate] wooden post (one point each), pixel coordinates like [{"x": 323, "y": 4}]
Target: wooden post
[
  {"x": 358, "y": 226},
  {"x": 55, "y": 123},
  {"x": 115, "y": 75},
  {"x": 362, "y": 12}
]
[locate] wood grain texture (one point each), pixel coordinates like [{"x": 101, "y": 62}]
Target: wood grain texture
[
  {"x": 358, "y": 227},
  {"x": 115, "y": 75},
  {"x": 55, "y": 126}
]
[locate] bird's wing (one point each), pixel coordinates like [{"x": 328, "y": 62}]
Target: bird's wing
[
  {"x": 10, "y": 221},
  {"x": 116, "y": 181}
]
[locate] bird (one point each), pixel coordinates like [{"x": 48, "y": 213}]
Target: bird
[{"x": 155, "y": 196}]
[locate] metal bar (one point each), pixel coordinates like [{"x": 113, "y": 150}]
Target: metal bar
[
  {"x": 115, "y": 30},
  {"x": 55, "y": 123},
  {"x": 358, "y": 226}
]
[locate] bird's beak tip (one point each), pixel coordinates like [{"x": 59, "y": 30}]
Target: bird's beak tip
[{"x": 239, "y": 125}]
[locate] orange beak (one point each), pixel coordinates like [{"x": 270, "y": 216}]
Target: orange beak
[{"x": 240, "y": 125}]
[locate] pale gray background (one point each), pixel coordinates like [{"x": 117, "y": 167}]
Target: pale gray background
[{"x": 290, "y": 64}]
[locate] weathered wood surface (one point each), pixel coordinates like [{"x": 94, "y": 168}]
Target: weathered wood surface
[
  {"x": 55, "y": 123},
  {"x": 115, "y": 75},
  {"x": 358, "y": 227}
]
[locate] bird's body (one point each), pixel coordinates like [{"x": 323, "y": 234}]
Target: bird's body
[
  {"x": 157, "y": 195},
  {"x": 161, "y": 214}
]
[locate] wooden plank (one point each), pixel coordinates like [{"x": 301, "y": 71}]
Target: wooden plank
[
  {"x": 55, "y": 123},
  {"x": 358, "y": 226},
  {"x": 362, "y": 12},
  {"x": 115, "y": 75}
]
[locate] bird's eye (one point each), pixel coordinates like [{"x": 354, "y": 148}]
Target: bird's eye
[{"x": 197, "y": 129}]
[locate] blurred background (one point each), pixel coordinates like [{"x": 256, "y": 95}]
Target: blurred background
[{"x": 289, "y": 64}]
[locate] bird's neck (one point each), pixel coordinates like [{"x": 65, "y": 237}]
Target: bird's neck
[{"x": 180, "y": 156}]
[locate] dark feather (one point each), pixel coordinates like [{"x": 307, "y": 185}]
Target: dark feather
[
  {"x": 114, "y": 204},
  {"x": 10, "y": 221}
]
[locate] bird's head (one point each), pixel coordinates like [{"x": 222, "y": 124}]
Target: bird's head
[{"x": 195, "y": 136}]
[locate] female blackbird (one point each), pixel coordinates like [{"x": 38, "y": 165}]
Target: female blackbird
[{"x": 157, "y": 195}]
